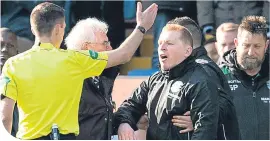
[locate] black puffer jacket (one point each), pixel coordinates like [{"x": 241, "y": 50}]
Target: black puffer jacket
[
  {"x": 96, "y": 108},
  {"x": 251, "y": 97},
  {"x": 228, "y": 118},
  {"x": 186, "y": 87}
]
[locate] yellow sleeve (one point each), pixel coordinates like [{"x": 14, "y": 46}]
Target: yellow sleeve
[
  {"x": 92, "y": 63},
  {"x": 7, "y": 84}
]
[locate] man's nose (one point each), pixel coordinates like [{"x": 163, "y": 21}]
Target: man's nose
[
  {"x": 109, "y": 47},
  {"x": 251, "y": 51},
  {"x": 162, "y": 47},
  {"x": 4, "y": 49}
]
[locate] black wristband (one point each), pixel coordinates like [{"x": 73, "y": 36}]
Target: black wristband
[{"x": 142, "y": 29}]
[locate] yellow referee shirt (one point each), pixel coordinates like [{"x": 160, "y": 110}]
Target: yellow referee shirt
[{"x": 47, "y": 82}]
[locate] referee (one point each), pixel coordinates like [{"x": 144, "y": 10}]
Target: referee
[{"x": 46, "y": 81}]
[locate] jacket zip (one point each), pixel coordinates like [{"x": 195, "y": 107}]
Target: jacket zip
[
  {"x": 255, "y": 107},
  {"x": 107, "y": 119}
]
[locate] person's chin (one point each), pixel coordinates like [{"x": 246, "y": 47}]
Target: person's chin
[{"x": 164, "y": 67}]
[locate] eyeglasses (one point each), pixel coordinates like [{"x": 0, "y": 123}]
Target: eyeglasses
[{"x": 105, "y": 43}]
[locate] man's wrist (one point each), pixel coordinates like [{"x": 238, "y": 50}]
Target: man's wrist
[
  {"x": 141, "y": 29},
  {"x": 134, "y": 127}
]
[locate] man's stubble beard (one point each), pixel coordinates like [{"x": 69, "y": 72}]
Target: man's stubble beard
[{"x": 247, "y": 65}]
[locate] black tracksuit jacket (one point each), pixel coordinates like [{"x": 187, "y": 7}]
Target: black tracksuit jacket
[
  {"x": 96, "y": 108},
  {"x": 251, "y": 97},
  {"x": 186, "y": 87}
]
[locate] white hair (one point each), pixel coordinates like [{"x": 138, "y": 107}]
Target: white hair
[{"x": 84, "y": 31}]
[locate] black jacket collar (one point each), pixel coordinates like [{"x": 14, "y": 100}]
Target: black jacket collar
[
  {"x": 198, "y": 52},
  {"x": 180, "y": 69}
]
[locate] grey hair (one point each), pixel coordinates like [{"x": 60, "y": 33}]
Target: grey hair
[{"x": 84, "y": 31}]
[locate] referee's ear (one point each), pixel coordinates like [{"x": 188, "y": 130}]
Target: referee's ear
[{"x": 33, "y": 31}]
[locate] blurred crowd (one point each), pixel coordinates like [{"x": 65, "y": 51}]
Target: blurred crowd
[{"x": 210, "y": 15}]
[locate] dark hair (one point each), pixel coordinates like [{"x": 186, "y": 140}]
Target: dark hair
[
  {"x": 254, "y": 25},
  {"x": 193, "y": 28},
  {"x": 45, "y": 16}
]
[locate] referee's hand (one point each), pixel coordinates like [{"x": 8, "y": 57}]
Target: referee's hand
[{"x": 146, "y": 18}]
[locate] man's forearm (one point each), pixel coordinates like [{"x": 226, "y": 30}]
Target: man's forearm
[
  {"x": 126, "y": 50},
  {"x": 144, "y": 19},
  {"x": 131, "y": 44},
  {"x": 6, "y": 112}
]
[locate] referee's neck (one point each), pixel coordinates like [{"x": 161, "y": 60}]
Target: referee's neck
[{"x": 44, "y": 39}]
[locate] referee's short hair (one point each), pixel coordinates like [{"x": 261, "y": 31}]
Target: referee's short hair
[{"x": 45, "y": 16}]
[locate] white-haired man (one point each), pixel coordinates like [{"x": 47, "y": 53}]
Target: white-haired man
[
  {"x": 96, "y": 106},
  {"x": 96, "y": 109}
]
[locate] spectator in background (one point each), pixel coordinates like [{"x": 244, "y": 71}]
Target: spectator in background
[
  {"x": 211, "y": 14},
  {"x": 9, "y": 48},
  {"x": 167, "y": 11},
  {"x": 109, "y": 11},
  {"x": 15, "y": 15},
  {"x": 225, "y": 35},
  {"x": 247, "y": 71},
  {"x": 9, "y": 45},
  {"x": 210, "y": 47}
]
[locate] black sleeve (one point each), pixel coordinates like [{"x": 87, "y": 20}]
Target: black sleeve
[
  {"x": 204, "y": 110},
  {"x": 133, "y": 108}
]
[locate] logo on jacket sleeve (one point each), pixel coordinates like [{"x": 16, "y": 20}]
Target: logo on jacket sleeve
[
  {"x": 3, "y": 81},
  {"x": 93, "y": 54}
]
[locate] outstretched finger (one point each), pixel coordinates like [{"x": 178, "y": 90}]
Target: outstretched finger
[
  {"x": 150, "y": 8},
  {"x": 120, "y": 137},
  {"x": 183, "y": 118},
  {"x": 185, "y": 130},
  {"x": 134, "y": 136},
  {"x": 179, "y": 121},
  {"x": 180, "y": 125},
  {"x": 187, "y": 113},
  {"x": 154, "y": 13},
  {"x": 139, "y": 8}
]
